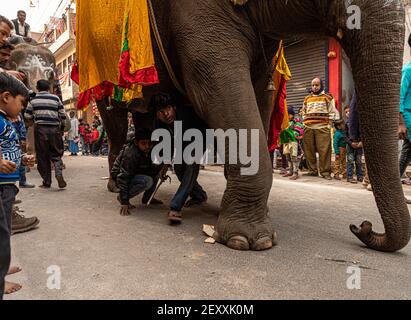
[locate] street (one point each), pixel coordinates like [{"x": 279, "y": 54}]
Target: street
[{"x": 103, "y": 255}]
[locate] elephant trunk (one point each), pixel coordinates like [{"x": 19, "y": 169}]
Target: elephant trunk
[{"x": 376, "y": 53}]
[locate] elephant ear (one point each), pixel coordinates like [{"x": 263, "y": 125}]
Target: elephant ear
[{"x": 239, "y": 2}]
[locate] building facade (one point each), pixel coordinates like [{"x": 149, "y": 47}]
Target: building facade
[{"x": 60, "y": 33}]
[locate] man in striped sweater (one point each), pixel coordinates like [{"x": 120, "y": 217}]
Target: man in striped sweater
[{"x": 47, "y": 111}]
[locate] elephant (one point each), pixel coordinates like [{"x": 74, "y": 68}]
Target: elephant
[
  {"x": 217, "y": 50},
  {"x": 36, "y": 62}
]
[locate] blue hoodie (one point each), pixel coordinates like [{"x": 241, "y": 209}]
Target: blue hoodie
[
  {"x": 405, "y": 98},
  {"x": 10, "y": 149}
]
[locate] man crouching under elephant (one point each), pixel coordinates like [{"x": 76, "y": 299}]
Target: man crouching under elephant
[
  {"x": 135, "y": 172},
  {"x": 167, "y": 113}
]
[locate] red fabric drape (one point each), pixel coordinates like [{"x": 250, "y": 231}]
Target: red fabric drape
[{"x": 277, "y": 116}]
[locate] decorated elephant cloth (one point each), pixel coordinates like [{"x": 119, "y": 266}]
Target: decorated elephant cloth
[{"x": 111, "y": 63}]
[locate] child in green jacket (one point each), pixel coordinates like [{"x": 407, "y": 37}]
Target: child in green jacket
[{"x": 340, "y": 149}]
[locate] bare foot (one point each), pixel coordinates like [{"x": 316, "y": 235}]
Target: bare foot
[
  {"x": 11, "y": 287},
  {"x": 13, "y": 270}
]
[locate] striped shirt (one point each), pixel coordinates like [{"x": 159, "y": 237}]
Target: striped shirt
[
  {"x": 319, "y": 110},
  {"x": 46, "y": 109}
]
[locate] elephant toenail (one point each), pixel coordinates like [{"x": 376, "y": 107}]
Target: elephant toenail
[
  {"x": 238, "y": 243},
  {"x": 263, "y": 243}
]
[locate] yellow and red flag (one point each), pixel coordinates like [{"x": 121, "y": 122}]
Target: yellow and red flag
[
  {"x": 111, "y": 61},
  {"x": 279, "y": 117}
]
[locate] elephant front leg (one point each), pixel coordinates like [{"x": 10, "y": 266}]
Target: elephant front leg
[
  {"x": 116, "y": 125},
  {"x": 243, "y": 222}
]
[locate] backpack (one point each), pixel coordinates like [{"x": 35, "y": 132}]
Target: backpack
[{"x": 66, "y": 125}]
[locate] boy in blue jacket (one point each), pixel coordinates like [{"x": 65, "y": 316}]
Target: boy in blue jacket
[{"x": 13, "y": 95}]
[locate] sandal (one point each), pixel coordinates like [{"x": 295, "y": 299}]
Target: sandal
[{"x": 175, "y": 217}]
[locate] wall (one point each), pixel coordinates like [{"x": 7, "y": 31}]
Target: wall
[{"x": 334, "y": 72}]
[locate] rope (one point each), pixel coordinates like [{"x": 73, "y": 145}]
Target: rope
[{"x": 162, "y": 51}]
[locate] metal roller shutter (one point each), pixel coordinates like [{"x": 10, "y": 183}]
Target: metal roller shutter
[{"x": 306, "y": 60}]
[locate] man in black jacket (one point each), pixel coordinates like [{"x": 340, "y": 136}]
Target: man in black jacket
[
  {"x": 134, "y": 171},
  {"x": 21, "y": 28},
  {"x": 167, "y": 112}
]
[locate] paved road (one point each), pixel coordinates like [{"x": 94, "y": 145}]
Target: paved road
[{"x": 103, "y": 255}]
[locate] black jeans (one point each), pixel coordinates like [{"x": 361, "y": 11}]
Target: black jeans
[
  {"x": 49, "y": 148},
  {"x": 187, "y": 174},
  {"x": 405, "y": 157},
  {"x": 7, "y": 197}
]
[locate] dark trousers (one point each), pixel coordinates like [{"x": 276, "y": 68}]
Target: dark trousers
[
  {"x": 86, "y": 149},
  {"x": 7, "y": 197},
  {"x": 141, "y": 183},
  {"x": 49, "y": 148},
  {"x": 405, "y": 157},
  {"x": 187, "y": 175},
  {"x": 95, "y": 148},
  {"x": 354, "y": 159}
]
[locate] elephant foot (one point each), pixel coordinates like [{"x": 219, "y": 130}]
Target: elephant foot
[
  {"x": 111, "y": 186},
  {"x": 243, "y": 244},
  {"x": 241, "y": 237}
]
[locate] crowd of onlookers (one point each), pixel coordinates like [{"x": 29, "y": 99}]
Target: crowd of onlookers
[
  {"x": 317, "y": 128},
  {"x": 90, "y": 140}
]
